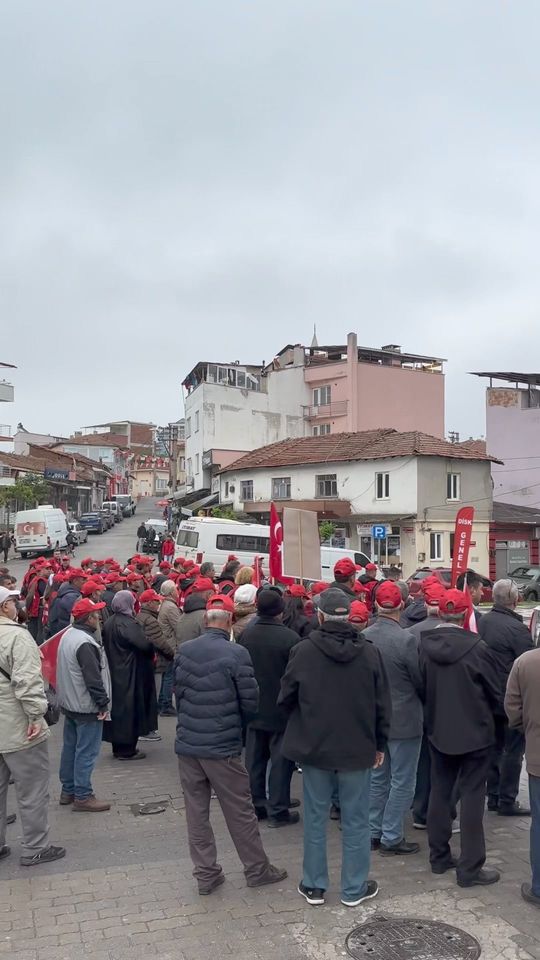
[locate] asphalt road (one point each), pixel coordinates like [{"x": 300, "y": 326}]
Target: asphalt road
[{"x": 119, "y": 542}]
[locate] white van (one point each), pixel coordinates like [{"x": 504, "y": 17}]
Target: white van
[
  {"x": 113, "y": 507},
  {"x": 209, "y": 539},
  {"x": 40, "y": 530}
]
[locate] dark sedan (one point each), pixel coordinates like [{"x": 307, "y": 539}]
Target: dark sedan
[{"x": 93, "y": 522}]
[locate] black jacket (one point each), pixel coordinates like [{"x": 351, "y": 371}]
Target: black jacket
[
  {"x": 336, "y": 693},
  {"x": 269, "y": 644},
  {"x": 130, "y": 656},
  {"x": 507, "y": 637},
  {"x": 462, "y": 690},
  {"x": 61, "y": 607},
  {"x": 414, "y": 613},
  {"x": 343, "y": 586}
]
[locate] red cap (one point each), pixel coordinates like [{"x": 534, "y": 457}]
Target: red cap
[
  {"x": 358, "y": 612},
  {"x": 90, "y": 587},
  {"x": 109, "y": 560},
  {"x": 359, "y": 588},
  {"x": 83, "y": 607},
  {"x": 318, "y": 587},
  {"x": 432, "y": 590},
  {"x": 164, "y": 565},
  {"x": 202, "y": 584},
  {"x": 134, "y": 577},
  {"x": 371, "y": 567},
  {"x": 65, "y": 560},
  {"x": 231, "y": 557},
  {"x": 86, "y": 561},
  {"x": 189, "y": 563},
  {"x": 388, "y": 595},
  {"x": 297, "y": 590},
  {"x": 454, "y": 601},
  {"x": 75, "y": 573},
  {"x": 147, "y": 596},
  {"x": 345, "y": 567},
  {"x": 220, "y": 602}
]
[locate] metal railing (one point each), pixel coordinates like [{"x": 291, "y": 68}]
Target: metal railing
[{"x": 337, "y": 409}]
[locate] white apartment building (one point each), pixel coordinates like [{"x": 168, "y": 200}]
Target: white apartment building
[{"x": 410, "y": 484}]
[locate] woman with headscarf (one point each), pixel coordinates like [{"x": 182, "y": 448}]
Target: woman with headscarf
[{"x": 130, "y": 656}]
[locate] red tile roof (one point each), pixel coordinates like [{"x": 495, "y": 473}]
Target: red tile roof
[{"x": 364, "y": 445}]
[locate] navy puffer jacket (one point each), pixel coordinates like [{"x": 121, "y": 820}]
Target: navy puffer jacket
[
  {"x": 216, "y": 695},
  {"x": 61, "y": 607}
]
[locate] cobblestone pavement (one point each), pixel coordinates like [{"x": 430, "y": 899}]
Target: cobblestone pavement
[{"x": 125, "y": 890}]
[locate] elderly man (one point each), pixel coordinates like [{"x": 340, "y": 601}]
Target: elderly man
[
  {"x": 23, "y": 737},
  {"x": 393, "y": 783},
  {"x": 169, "y": 619},
  {"x": 216, "y": 694},
  {"x": 507, "y": 637},
  {"x": 336, "y": 696},
  {"x": 84, "y": 693}
]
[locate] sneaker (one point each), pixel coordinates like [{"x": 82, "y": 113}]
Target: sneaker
[
  {"x": 168, "y": 712},
  {"x": 271, "y": 875},
  {"x": 91, "y": 805},
  {"x": 493, "y": 804},
  {"x": 526, "y": 893},
  {"x": 262, "y": 813},
  {"x": 5, "y": 852},
  {"x": 456, "y": 827},
  {"x": 153, "y": 735},
  {"x": 482, "y": 879},
  {"x": 284, "y": 820},
  {"x": 375, "y": 843},
  {"x": 419, "y": 824},
  {"x": 46, "y": 856},
  {"x": 313, "y": 895},
  {"x": 66, "y": 799},
  {"x": 399, "y": 849},
  {"x": 371, "y": 891},
  {"x": 293, "y": 804},
  {"x": 441, "y": 868},
  {"x": 513, "y": 810},
  {"x": 205, "y": 889}
]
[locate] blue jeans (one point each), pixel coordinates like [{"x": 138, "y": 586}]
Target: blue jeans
[
  {"x": 353, "y": 788},
  {"x": 534, "y": 794},
  {"x": 392, "y": 790},
  {"x": 82, "y": 743},
  {"x": 165, "y": 701}
]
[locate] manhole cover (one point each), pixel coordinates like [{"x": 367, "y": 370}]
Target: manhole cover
[
  {"x": 402, "y": 938},
  {"x": 147, "y": 809}
]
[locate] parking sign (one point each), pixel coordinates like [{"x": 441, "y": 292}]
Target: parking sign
[{"x": 378, "y": 532}]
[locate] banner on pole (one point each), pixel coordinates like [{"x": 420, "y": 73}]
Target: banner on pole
[
  {"x": 301, "y": 544},
  {"x": 462, "y": 541}
]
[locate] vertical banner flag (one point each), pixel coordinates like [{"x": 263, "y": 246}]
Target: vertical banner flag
[
  {"x": 462, "y": 542},
  {"x": 276, "y": 545}
]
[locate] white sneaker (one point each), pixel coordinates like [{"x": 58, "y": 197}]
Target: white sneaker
[{"x": 153, "y": 735}]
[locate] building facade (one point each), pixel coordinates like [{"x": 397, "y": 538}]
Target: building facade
[{"x": 409, "y": 484}]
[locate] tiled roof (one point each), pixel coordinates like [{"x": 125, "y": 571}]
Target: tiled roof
[
  {"x": 99, "y": 440},
  {"x": 364, "y": 445},
  {"x": 21, "y": 462}
]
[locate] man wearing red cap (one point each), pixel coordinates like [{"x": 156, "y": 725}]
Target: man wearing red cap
[
  {"x": 369, "y": 582},
  {"x": 191, "y": 624},
  {"x": 216, "y": 694},
  {"x": 392, "y": 785},
  {"x": 84, "y": 693},
  {"x": 68, "y": 594},
  {"x": 163, "y": 648},
  {"x": 462, "y": 691},
  {"x": 345, "y": 576}
]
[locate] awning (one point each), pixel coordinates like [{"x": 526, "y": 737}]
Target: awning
[{"x": 209, "y": 501}]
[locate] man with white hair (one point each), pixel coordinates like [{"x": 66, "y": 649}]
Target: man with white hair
[
  {"x": 503, "y": 630},
  {"x": 216, "y": 695}
]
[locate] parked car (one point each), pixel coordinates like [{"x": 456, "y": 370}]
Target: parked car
[
  {"x": 113, "y": 507},
  {"x": 443, "y": 574},
  {"x": 126, "y": 503},
  {"x": 108, "y": 519},
  {"x": 93, "y": 522},
  {"x": 160, "y": 527},
  {"x": 80, "y": 533},
  {"x": 527, "y": 580}
]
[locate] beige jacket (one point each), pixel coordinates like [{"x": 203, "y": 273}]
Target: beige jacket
[
  {"x": 522, "y": 705},
  {"x": 169, "y": 618},
  {"x": 22, "y": 700}
]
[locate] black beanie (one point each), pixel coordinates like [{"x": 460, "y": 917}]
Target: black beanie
[{"x": 270, "y": 603}]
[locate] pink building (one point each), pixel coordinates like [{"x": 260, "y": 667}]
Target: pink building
[{"x": 352, "y": 388}]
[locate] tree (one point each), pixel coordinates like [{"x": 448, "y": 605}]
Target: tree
[
  {"x": 27, "y": 491},
  {"x": 224, "y": 513},
  {"x": 326, "y": 531}
]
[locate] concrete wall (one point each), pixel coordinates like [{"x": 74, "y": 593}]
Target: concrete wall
[
  {"x": 513, "y": 435},
  {"x": 432, "y": 488}
]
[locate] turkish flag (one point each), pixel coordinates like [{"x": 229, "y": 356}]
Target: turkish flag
[
  {"x": 276, "y": 548},
  {"x": 48, "y": 652}
]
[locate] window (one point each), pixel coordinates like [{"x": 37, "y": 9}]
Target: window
[
  {"x": 382, "y": 486},
  {"x": 188, "y": 427},
  {"x": 241, "y": 379},
  {"x": 246, "y": 489},
  {"x": 160, "y": 484},
  {"x": 241, "y": 542},
  {"x": 281, "y": 488},
  {"x": 196, "y": 421},
  {"x": 326, "y": 486},
  {"x": 189, "y": 463},
  {"x": 321, "y": 430},
  {"x": 453, "y": 486},
  {"x": 435, "y": 546},
  {"x": 322, "y": 396},
  {"x": 197, "y": 463},
  {"x": 187, "y": 538},
  {"x": 452, "y": 538},
  {"x": 226, "y": 492}
]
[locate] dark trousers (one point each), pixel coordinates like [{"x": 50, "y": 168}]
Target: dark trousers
[
  {"x": 262, "y": 747},
  {"x": 423, "y": 784},
  {"x": 471, "y": 770},
  {"x": 534, "y": 791},
  {"x": 228, "y": 777},
  {"x": 124, "y": 749},
  {"x": 506, "y": 762}
]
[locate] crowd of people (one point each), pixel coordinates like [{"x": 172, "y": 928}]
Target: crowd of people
[{"x": 384, "y": 706}]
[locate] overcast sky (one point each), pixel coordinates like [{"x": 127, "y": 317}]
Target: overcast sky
[{"x": 208, "y": 180}]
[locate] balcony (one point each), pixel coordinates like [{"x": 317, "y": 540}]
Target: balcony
[
  {"x": 7, "y": 392},
  {"x": 5, "y": 432},
  {"x": 326, "y": 410}
]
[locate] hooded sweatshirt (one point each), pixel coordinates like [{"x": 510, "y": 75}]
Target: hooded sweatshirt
[
  {"x": 337, "y": 697},
  {"x": 462, "y": 690}
]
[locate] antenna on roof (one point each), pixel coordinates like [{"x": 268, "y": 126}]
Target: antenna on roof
[{"x": 314, "y": 342}]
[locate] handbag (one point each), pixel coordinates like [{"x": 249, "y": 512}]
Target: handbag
[{"x": 52, "y": 714}]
